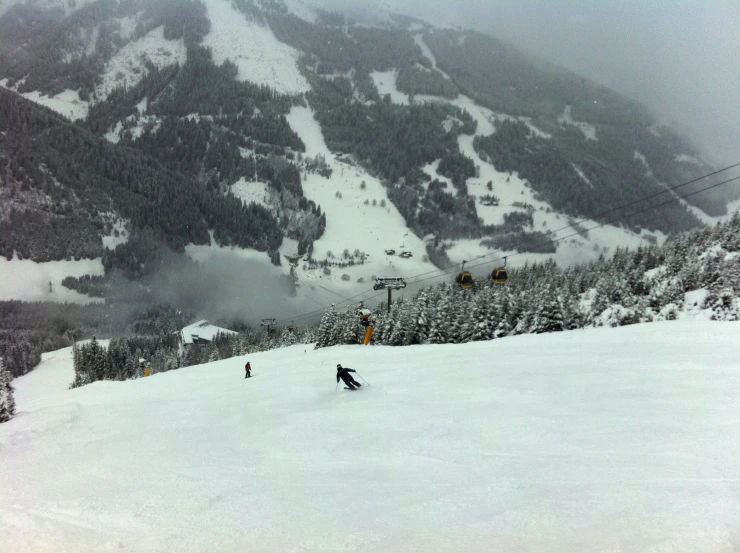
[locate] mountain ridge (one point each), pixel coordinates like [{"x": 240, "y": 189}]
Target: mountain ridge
[{"x": 447, "y": 143}]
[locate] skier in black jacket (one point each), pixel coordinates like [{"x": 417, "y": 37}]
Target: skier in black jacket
[{"x": 343, "y": 373}]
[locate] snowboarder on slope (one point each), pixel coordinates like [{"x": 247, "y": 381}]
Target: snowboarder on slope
[
  {"x": 248, "y": 369},
  {"x": 343, "y": 373}
]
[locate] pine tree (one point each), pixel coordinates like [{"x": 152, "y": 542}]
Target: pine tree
[
  {"x": 525, "y": 305},
  {"x": 80, "y": 359},
  {"x": 95, "y": 360},
  {"x": 480, "y": 324},
  {"x": 501, "y": 314},
  {"x": 338, "y": 328},
  {"x": 136, "y": 369},
  {"x": 383, "y": 325},
  {"x": 730, "y": 239},
  {"x": 418, "y": 326},
  {"x": 439, "y": 328},
  {"x": 117, "y": 359},
  {"x": 325, "y": 329},
  {"x": 549, "y": 315},
  {"x": 308, "y": 336},
  {"x": 245, "y": 344},
  {"x": 600, "y": 300},
  {"x": 572, "y": 316},
  {"x": 400, "y": 317},
  {"x": 7, "y": 402},
  {"x": 236, "y": 347},
  {"x": 349, "y": 328},
  {"x": 213, "y": 353},
  {"x": 459, "y": 316},
  {"x": 287, "y": 338}
]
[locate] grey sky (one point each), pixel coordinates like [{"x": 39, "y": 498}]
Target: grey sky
[{"x": 680, "y": 57}]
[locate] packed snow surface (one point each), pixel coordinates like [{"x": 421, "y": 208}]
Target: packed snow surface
[{"x": 600, "y": 440}]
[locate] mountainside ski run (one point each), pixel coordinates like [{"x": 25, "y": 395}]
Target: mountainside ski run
[{"x": 587, "y": 441}]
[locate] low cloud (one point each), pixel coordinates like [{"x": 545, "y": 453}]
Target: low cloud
[{"x": 679, "y": 58}]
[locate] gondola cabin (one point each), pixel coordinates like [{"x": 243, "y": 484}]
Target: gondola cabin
[
  {"x": 465, "y": 280},
  {"x": 499, "y": 276}
]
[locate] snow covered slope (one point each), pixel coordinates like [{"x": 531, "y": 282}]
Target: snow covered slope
[
  {"x": 512, "y": 190},
  {"x": 69, "y": 6},
  {"x": 604, "y": 440},
  {"x": 23, "y": 279},
  {"x": 67, "y": 103},
  {"x": 350, "y": 223},
  {"x": 258, "y": 55},
  {"x": 124, "y": 69}
]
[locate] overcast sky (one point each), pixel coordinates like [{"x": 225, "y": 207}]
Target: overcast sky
[{"x": 680, "y": 57}]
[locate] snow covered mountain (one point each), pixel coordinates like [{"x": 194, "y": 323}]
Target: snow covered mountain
[
  {"x": 341, "y": 139},
  {"x": 593, "y": 440}
]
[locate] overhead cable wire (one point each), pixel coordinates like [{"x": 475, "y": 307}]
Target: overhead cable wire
[
  {"x": 445, "y": 270},
  {"x": 672, "y": 200},
  {"x": 310, "y": 313}
]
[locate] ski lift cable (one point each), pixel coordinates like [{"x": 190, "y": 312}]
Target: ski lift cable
[
  {"x": 310, "y": 313},
  {"x": 573, "y": 224},
  {"x": 446, "y": 270},
  {"x": 672, "y": 200},
  {"x": 600, "y": 224},
  {"x": 306, "y": 295},
  {"x": 317, "y": 302},
  {"x": 332, "y": 292}
]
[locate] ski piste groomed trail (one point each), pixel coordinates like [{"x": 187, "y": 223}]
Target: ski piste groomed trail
[{"x": 598, "y": 440}]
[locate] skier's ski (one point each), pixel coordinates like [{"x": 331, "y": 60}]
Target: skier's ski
[{"x": 351, "y": 389}]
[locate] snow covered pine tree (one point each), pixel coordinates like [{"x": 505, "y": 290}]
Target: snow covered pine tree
[{"x": 7, "y": 403}]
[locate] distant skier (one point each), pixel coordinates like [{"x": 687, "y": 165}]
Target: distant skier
[
  {"x": 343, "y": 373},
  {"x": 248, "y": 369}
]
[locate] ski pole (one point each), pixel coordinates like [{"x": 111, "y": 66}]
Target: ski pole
[
  {"x": 337, "y": 386},
  {"x": 365, "y": 381}
]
